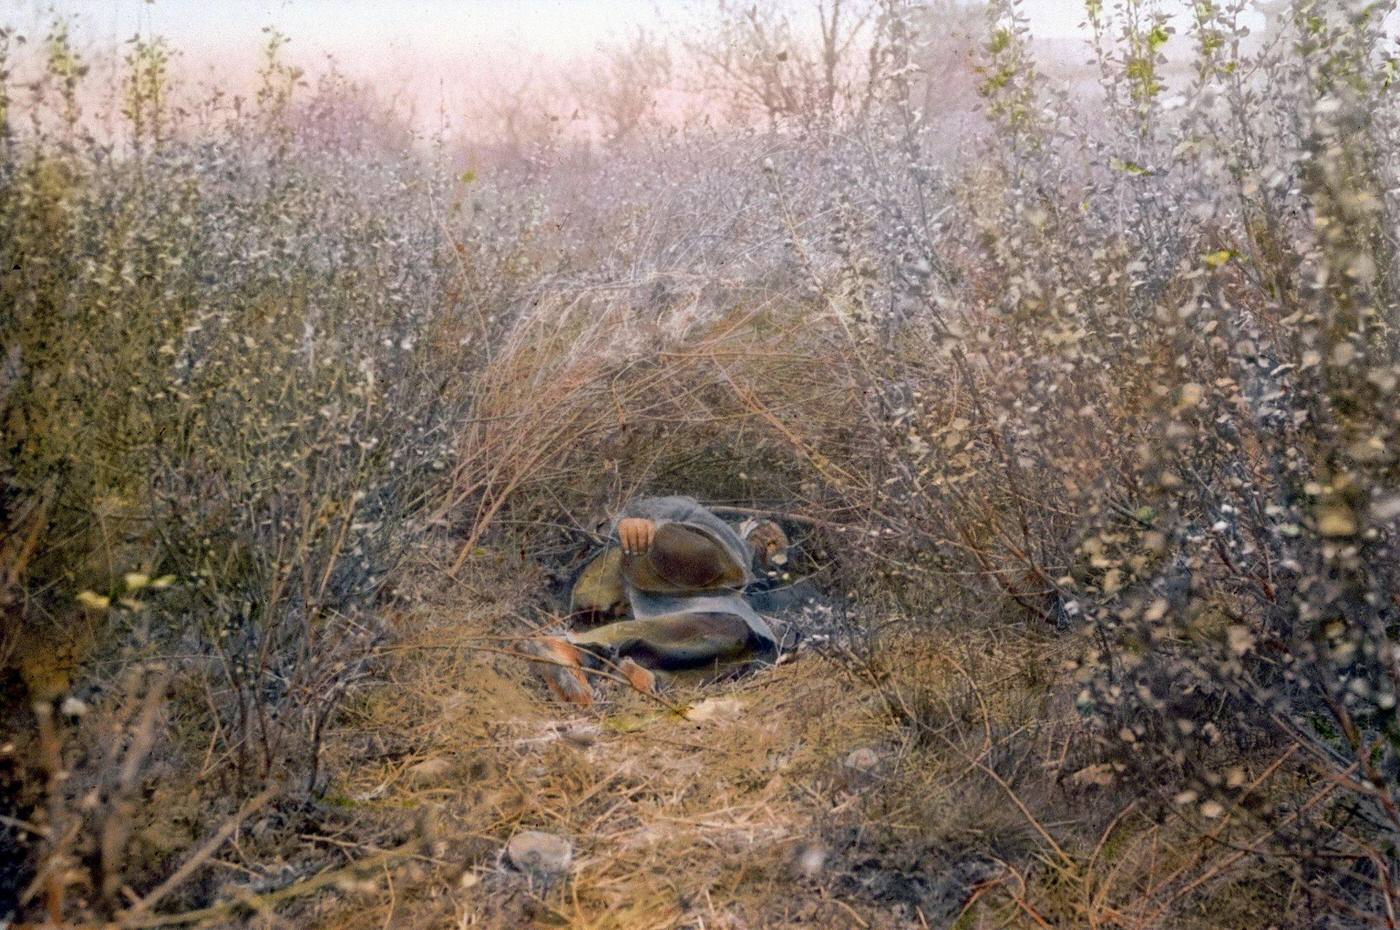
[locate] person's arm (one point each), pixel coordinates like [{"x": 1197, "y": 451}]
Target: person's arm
[
  {"x": 635, "y": 534},
  {"x": 662, "y": 555}
]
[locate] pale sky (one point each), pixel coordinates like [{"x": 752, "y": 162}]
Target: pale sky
[
  {"x": 344, "y": 26},
  {"x": 438, "y": 52},
  {"x": 376, "y": 26}
]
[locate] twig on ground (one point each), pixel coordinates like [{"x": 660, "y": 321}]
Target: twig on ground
[
  {"x": 285, "y": 893},
  {"x": 199, "y": 856}
]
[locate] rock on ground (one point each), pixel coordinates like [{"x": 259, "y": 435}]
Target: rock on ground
[{"x": 540, "y": 854}]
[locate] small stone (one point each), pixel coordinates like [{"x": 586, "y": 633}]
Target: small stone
[
  {"x": 860, "y": 768},
  {"x": 540, "y": 854},
  {"x": 809, "y": 860}
]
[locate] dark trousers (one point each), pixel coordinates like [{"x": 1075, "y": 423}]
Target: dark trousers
[{"x": 679, "y": 642}]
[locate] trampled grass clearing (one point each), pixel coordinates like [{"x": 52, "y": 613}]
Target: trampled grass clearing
[{"x": 824, "y": 792}]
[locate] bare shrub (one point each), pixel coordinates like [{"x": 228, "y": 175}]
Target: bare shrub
[{"x": 1088, "y": 411}]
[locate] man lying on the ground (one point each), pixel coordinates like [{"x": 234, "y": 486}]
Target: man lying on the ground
[{"x": 678, "y": 572}]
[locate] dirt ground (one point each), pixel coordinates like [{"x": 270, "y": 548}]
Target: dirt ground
[
  {"x": 941, "y": 780},
  {"x": 944, "y": 783},
  {"x": 720, "y": 817}
]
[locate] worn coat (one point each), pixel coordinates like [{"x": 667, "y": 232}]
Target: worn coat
[{"x": 684, "y": 595}]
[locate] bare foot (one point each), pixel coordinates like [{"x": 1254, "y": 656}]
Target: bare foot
[
  {"x": 562, "y": 669},
  {"x": 640, "y": 678}
]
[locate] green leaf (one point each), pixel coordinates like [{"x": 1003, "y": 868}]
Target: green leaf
[{"x": 1157, "y": 37}]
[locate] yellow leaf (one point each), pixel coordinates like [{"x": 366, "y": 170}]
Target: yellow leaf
[
  {"x": 1216, "y": 259},
  {"x": 1336, "y": 521},
  {"x": 135, "y": 581},
  {"x": 1094, "y": 775},
  {"x": 93, "y": 601}
]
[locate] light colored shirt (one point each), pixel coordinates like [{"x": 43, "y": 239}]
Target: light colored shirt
[{"x": 688, "y": 512}]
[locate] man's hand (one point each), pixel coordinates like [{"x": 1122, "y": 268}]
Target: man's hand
[{"x": 636, "y": 535}]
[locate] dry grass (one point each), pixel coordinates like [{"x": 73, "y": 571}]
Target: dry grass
[
  {"x": 599, "y": 379},
  {"x": 747, "y": 816},
  {"x": 673, "y": 821}
]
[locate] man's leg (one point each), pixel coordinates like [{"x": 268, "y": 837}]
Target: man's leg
[
  {"x": 563, "y": 664},
  {"x": 708, "y": 643},
  {"x": 560, "y": 663},
  {"x": 676, "y": 642}
]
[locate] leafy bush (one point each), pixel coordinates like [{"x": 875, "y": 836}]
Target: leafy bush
[
  {"x": 232, "y": 363},
  {"x": 1114, "y": 369}
]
